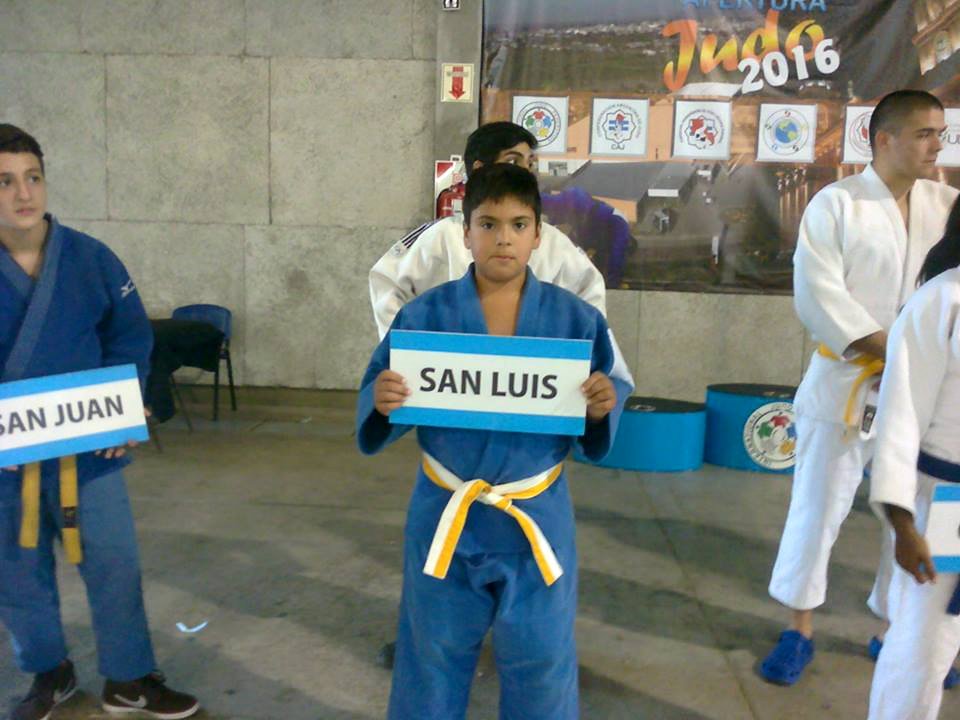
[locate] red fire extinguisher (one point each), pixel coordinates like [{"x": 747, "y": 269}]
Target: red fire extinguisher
[{"x": 450, "y": 201}]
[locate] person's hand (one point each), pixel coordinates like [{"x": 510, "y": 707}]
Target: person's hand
[
  {"x": 389, "y": 392},
  {"x": 117, "y": 452},
  {"x": 913, "y": 555},
  {"x": 601, "y": 397}
]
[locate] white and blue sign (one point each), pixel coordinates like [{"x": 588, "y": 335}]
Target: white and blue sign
[
  {"x": 492, "y": 382},
  {"x": 57, "y": 415},
  {"x": 943, "y": 528}
]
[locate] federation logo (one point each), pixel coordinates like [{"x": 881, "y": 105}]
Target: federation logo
[
  {"x": 859, "y": 134},
  {"x": 786, "y": 132},
  {"x": 542, "y": 120},
  {"x": 702, "y": 129},
  {"x": 770, "y": 436},
  {"x": 619, "y": 124}
]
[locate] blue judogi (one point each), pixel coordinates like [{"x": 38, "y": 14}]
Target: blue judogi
[
  {"x": 82, "y": 313},
  {"x": 493, "y": 580}
]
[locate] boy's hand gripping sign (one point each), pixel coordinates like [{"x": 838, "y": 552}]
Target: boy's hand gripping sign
[{"x": 490, "y": 382}]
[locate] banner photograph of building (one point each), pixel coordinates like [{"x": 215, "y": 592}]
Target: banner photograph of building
[{"x": 705, "y": 126}]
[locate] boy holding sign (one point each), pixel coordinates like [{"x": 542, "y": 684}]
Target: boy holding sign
[
  {"x": 67, "y": 304},
  {"x": 489, "y": 539},
  {"x": 915, "y": 488}
]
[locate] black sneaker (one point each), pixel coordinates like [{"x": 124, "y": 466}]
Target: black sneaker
[
  {"x": 49, "y": 689},
  {"x": 387, "y": 655},
  {"x": 148, "y": 696}
]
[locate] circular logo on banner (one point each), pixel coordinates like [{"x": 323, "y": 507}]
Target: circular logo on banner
[
  {"x": 541, "y": 119},
  {"x": 770, "y": 436},
  {"x": 786, "y": 132},
  {"x": 859, "y": 134},
  {"x": 702, "y": 129},
  {"x": 618, "y": 124}
]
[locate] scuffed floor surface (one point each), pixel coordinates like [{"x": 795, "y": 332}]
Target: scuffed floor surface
[{"x": 274, "y": 530}]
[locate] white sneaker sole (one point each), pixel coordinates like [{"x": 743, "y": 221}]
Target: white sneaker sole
[{"x": 122, "y": 710}]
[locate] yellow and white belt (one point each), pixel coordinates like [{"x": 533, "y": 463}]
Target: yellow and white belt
[
  {"x": 454, "y": 515},
  {"x": 870, "y": 367},
  {"x": 30, "y": 500}
]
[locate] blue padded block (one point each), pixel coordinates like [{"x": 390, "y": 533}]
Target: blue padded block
[
  {"x": 751, "y": 427},
  {"x": 657, "y": 435}
]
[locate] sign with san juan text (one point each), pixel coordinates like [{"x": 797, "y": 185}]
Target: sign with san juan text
[
  {"x": 488, "y": 382},
  {"x": 59, "y": 415},
  {"x": 943, "y": 528}
]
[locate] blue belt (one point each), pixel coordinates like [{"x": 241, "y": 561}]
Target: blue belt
[{"x": 942, "y": 470}]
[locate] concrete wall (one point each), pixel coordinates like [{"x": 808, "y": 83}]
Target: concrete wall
[
  {"x": 678, "y": 343},
  {"x": 255, "y": 154},
  {"x": 261, "y": 155}
]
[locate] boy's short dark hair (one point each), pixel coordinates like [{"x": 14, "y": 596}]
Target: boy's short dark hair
[
  {"x": 488, "y": 141},
  {"x": 15, "y": 140},
  {"x": 895, "y": 107},
  {"x": 496, "y": 181}
]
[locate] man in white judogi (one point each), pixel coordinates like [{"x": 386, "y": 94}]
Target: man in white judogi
[
  {"x": 861, "y": 243},
  {"x": 434, "y": 253}
]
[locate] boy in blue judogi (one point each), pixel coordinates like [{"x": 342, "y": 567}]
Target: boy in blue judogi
[
  {"x": 68, "y": 304},
  {"x": 514, "y": 566}
]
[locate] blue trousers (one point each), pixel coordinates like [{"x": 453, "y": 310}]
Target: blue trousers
[
  {"x": 30, "y": 602},
  {"x": 443, "y": 623}
]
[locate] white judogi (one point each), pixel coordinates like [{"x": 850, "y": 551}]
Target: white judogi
[
  {"x": 855, "y": 265},
  {"x": 434, "y": 254},
  {"x": 919, "y": 408}
]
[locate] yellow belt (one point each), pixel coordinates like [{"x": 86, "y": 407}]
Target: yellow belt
[
  {"x": 30, "y": 519},
  {"x": 870, "y": 367},
  {"x": 454, "y": 515}
]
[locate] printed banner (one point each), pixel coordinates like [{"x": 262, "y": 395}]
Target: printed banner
[
  {"x": 950, "y": 155},
  {"x": 619, "y": 127},
  {"x": 546, "y": 118},
  {"x": 59, "y": 415},
  {"x": 489, "y": 382},
  {"x": 943, "y": 528},
  {"x": 701, "y": 130},
  {"x": 713, "y": 200},
  {"x": 787, "y": 133}
]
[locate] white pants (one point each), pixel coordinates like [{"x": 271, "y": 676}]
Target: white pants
[
  {"x": 828, "y": 472},
  {"x": 922, "y": 642}
]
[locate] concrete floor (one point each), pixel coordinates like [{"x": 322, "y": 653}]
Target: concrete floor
[{"x": 271, "y": 527}]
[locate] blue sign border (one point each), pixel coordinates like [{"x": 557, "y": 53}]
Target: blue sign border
[
  {"x": 477, "y": 420},
  {"x": 467, "y": 344}
]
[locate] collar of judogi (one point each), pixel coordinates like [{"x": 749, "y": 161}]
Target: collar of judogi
[{"x": 473, "y": 321}]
